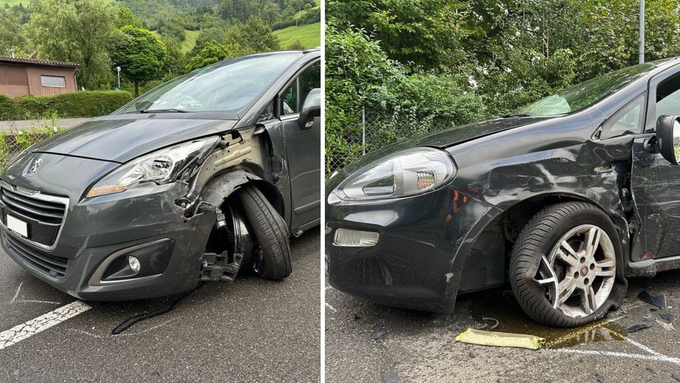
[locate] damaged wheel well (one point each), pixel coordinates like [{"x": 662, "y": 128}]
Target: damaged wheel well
[{"x": 487, "y": 263}]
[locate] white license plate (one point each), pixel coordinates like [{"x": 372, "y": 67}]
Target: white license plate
[{"x": 18, "y": 226}]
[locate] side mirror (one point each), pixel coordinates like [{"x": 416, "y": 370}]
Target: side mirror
[
  {"x": 310, "y": 109},
  {"x": 668, "y": 137}
]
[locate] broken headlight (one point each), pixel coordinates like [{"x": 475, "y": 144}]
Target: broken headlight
[
  {"x": 407, "y": 173},
  {"x": 161, "y": 167}
]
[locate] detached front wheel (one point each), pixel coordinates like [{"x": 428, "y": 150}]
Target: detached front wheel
[
  {"x": 566, "y": 268},
  {"x": 271, "y": 256}
]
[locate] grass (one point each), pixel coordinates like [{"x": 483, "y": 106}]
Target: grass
[
  {"x": 190, "y": 41},
  {"x": 309, "y": 35}
]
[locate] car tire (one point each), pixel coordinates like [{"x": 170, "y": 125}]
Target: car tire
[
  {"x": 566, "y": 268},
  {"x": 271, "y": 258}
]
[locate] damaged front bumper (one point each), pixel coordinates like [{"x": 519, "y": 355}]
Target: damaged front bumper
[
  {"x": 89, "y": 259},
  {"x": 423, "y": 245}
]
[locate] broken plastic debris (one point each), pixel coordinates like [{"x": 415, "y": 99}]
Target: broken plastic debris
[
  {"x": 500, "y": 339},
  {"x": 667, "y": 326},
  {"x": 651, "y": 370},
  {"x": 599, "y": 378},
  {"x": 675, "y": 376},
  {"x": 637, "y": 327},
  {"x": 492, "y": 320},
  {"x": 377, "y": 334},
  {"x": 667, "y": 317},
  {"x": 658, "y": 301}
]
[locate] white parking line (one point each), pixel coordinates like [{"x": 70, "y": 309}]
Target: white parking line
[{"x": 26, "y": 330}]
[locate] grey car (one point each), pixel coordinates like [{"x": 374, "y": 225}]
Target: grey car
[{"x": 200, "y": 179}]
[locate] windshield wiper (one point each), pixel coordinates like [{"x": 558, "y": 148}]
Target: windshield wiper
[
  {"x": 163, "y": 111},
  {"x": 528, "y": 114}
]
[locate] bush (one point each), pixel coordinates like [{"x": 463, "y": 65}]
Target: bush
[
  {"x": 310, "y": 17},
  {"x": 67, "y": 105}
]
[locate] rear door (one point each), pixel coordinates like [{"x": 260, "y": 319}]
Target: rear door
[{"x": 303, "y": 149}]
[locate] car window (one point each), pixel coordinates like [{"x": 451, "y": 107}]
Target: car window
[
  {"x": 309, "y": 79},
  {"x": 289, "y": 99},
  {"x": 668, "y": 97},
  {"x": 627, "y": 120}
]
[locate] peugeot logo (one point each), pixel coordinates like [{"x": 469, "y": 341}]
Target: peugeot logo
[{"x": 34, "y": 166}]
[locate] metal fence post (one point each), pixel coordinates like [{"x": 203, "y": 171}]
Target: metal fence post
[{"x": 363, "y": 131}]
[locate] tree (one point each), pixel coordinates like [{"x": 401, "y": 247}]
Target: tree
[
  {"x": 126, "y": 17},
  {"x": 255, "y": 35},
  {"x": 215, "y": 52},
  {"x": 139, "y": 53},
  {"x": 11, "y": 33},
  {"x": 295, "y": 44},
  {"x": 76, "y": 30}
]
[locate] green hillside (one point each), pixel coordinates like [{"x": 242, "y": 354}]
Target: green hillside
[
  {"x": 189, "y": 43},
  {"x": 309, "y": 35},
  {"x": 26, "y": 2}
]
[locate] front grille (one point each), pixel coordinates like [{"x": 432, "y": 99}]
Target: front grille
[
  {"x": 43, "y": 213},
  {"x": 49, "y": 264}
]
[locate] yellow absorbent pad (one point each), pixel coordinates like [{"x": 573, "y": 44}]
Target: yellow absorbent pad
[{"x": 500, "y": 339}]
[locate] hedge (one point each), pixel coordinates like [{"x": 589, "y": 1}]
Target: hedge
[{"x": 66, "y": 105}]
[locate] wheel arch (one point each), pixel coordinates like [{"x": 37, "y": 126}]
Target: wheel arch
[
  {"x": 505, "y": 227},
  {"x": 224, "y": 184}
]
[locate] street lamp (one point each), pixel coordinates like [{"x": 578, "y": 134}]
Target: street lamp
[{"x": 118, "y": 70}]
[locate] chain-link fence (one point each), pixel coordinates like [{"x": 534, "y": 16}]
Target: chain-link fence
[
  {"x": 373, "y": 132},
  {"x": 15, "y": 140}
]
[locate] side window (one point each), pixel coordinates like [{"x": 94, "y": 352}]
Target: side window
[
  {"x": 309, "y": 79},
  {"x": 626, "y": 120},
  {"x": 668, "y": 97},
  {"x": 289, "y": 99}
]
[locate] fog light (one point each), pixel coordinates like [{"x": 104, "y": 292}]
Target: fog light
[
  {"x": 355, "y": 238},
  {"x": 134, "y": 264}
]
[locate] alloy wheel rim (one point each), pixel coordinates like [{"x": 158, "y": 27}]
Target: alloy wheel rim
[{"x": 579, "y": 273}]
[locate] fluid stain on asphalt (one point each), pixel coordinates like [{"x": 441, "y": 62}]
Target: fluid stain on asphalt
[{"x": 501, "y": 305}]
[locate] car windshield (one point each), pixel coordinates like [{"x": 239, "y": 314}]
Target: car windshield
[
  {"x": 223, "y": 87},
  {"x": 585, "y": 94}
]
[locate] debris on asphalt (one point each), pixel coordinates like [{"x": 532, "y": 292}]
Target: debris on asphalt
[
  {"x": 170, "y": 305},
  {"x": 500, "y": 339},
  {"x": 667, "y": 326},
  {"x": 377, "y": 334},
  {"x": 599, "y": 378},
  {"x": 637, "y": 327},
  {"x": 675, "y": 376},
  {"x": 667, "y": 317},
  {"x": 492, "y": 327},
  {"x": 356, "y": 317},
  {"x": 658, "y": 301},
  {"x": 651, "y": 370}
]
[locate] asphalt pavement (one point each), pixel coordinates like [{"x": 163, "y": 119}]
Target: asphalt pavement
[
  {"x": 250, "y": 330},
  {"x": 419, "y": 347}
]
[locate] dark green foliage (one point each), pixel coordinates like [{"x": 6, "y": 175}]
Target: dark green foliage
[
  {"x": 139, "y": 53},
  {"x": 215, "y": 52},
  {"x": 254, "y": 35},
  {"x": 67, "y": 105}
]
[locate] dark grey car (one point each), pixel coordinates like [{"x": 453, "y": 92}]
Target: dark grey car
[{"x": 199, "y": 179}]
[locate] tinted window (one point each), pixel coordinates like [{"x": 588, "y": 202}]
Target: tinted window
[{"x": 627, "y": 120}]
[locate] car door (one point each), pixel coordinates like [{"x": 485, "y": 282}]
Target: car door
[
  {"x": 655, "y": 181},
  {"x": 303, "y": 149}
]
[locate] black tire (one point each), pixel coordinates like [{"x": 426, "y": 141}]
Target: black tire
[
  {"x": 538, "y": 238},
  {"x": 271, "y": 232}
]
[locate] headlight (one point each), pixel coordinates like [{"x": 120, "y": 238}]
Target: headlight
[
  {"x": 411, "y": 172},
  {"x": 163, "y": 166}
]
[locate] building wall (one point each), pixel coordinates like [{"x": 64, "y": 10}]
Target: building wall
[
  {"x": 35, "y": 81},
  {"x": 13, "y": 80},
  {"x": 21, "y": 80}
]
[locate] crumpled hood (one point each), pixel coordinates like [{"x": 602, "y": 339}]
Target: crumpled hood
[
  {"x": 123, "y": 138},
  {"x": 467, "y": 132}
]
